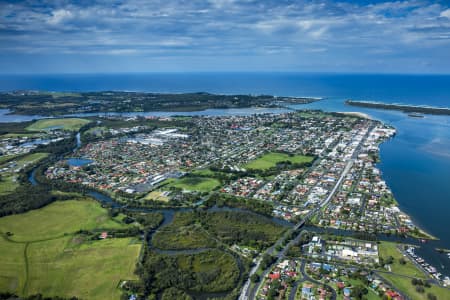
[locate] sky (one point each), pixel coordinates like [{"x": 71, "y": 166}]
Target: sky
[{"x": 110, "y": 36}]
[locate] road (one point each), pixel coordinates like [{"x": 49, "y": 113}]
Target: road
[
  {"x": 251, "y": 293},
  {"x": 248, "y": 293}
]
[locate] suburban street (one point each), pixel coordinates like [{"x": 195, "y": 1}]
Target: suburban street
[{"x": 251, "y": 293}]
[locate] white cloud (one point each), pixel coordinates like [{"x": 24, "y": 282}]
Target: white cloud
[
  {"x": 226, "y": 27},
  {"x": 59, "y": 15},
  {"x": 446, "y": 13}
]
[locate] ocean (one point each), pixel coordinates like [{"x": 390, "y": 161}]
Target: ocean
[{"x": 415, "y": 164}]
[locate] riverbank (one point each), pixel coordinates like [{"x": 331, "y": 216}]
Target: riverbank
[{"x": 356, "y": 114}]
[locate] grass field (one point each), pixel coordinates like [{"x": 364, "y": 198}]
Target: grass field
[
  {"x": 7, "y": 157},
  {"x": 8, "y": 184},
  {"x": 45, "y": 255},
  {"x": 8, "y": 180},
  {"x": 31, "y": 159},
  {"x": 12, "y": 266},
  {"x": 72, "y": 124},
  {"x": 193, "y": 183},
  {"x": 204, "y": 172},
  {"x": 157, "y": 196},
  {"x": 90, "y": 271},
  {"x": 270, "y": 160},
  {"x": 404, "y": 285},
  {"x": 57, "y": 219},
  {"x": 386, "y": 249}
]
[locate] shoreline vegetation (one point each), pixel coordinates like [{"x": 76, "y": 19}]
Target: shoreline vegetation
[
  {"x": 51, "y": 104},
  {"x": 401, "y": 107},
  {"x": 356, "y": 114}
]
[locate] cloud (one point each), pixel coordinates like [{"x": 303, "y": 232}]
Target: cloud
[
  {"x": 342, "y": 32},
  {"x": 59, "y": 15},
  {"x": 445, "y": 13}
]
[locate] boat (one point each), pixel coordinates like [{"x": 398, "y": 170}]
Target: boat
[{"x": 416, "y": 115}]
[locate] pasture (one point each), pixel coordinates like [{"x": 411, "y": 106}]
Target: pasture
[
  {"x": 43, "y": 253},
  {"x": 70, "y": 124}
]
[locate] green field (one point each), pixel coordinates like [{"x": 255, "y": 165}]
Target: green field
[
  {"x": 156, "y": 196},
  {"x": 8, "y": 179},
  {"x": 270, "y": 160},
  {"x": 72, "y": 124},
  {"x": 386, "y": 249},
  {"x": 57, "y": 219},
  {"x": 31, "y": 158},
  {"x": 4, "y": 158},
  {"x": 91, "y": 271},
  {"x": 404, "y": 284},
  {"x": 193, "y": 183},
  {"x": 44, "y": 254},
  {"x": 8, "y": 184}
]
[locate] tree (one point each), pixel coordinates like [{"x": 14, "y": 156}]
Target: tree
[
  {"x": 389, "y": 260},
  {"x": 359, "y": 291},
  {"x": 254, "y": 278},
  {"x": 431, "y": 296}
]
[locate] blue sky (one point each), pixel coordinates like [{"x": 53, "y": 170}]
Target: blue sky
[{"x": 224, "y": 35}]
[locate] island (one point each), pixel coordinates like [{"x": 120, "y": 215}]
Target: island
[
  {"x": 257, "y": 206},
  {"x": 412, "y": 109}
]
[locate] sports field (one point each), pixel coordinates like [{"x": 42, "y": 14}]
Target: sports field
[
  {"x": 271, "y": 159},
  {"x": 72, "y": 124},
  {"x": 42, "y": 253},
  {"x": 193, "y": 183}
]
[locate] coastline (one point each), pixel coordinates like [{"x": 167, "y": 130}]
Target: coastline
[{"x": 421, "y": 233}]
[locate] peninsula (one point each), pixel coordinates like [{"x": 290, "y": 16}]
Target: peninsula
[
  {"x": 402, "y": 107},
  {"x": 63, "y": 103}
]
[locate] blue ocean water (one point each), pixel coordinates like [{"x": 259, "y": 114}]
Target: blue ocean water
[
  {"x": 413, "y": 89},
  {"x": 415, "y": 164}
]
